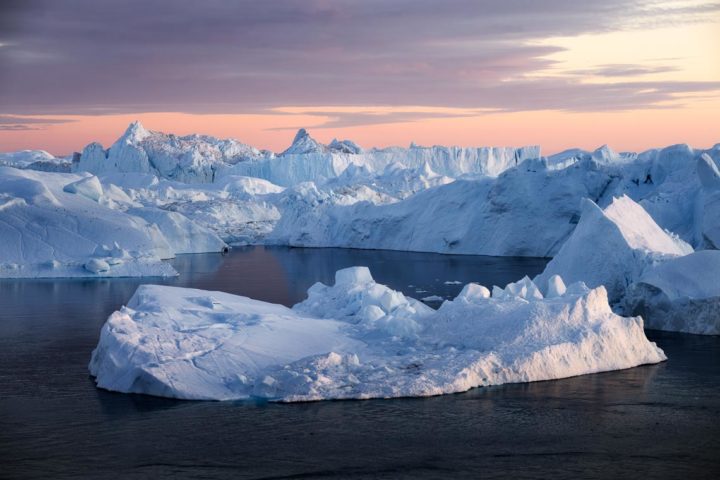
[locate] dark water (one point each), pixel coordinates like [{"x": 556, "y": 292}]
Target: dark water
[{"x": 656, "y": 421}]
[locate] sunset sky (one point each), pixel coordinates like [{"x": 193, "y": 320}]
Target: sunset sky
[{"x": 559, "y": 73}]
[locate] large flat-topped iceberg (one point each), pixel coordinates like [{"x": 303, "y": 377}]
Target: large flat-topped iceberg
[{"x": 359, "y": 339}]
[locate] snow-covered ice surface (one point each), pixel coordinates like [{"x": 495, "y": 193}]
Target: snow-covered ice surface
[
  {"x": 35, "y": 160},
  {"x": 493, "y": 215},
  {"x": 612, "y": 247},
  {"x": 646, "y": 270},
  {"x": 484, "y": 216},
  {"x": 201, "y": 191},
  {"x": 203, "y": 159},
  {"x": 680, "y": 295},
  {"x": 193, "y": 158},
  {"x": 71, "y": 225},
  {"x": 359, "y": 339},
  {"x": 708, "y": 204},
  {"x": 439, "y": 199}
]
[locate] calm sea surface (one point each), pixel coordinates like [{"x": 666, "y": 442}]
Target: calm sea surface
[{"x": 655, "y": 421}]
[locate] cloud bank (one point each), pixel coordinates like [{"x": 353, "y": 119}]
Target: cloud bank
[{"x": 101, "y": 57}]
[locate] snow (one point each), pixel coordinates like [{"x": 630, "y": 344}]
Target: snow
[
  {"x": 482, "y": 216},
  {"x": 204, "y": 159},
  {"x": 69, "y": 225},
  {"x": 438, "y": 199},
  {"x": 612, "y": 247},
  {"x": 358, "y": 339},
  {"x": 96, "y": 265},
  {"x": 24, "y": 158},
  {"x": 344, "y": 146},
  {"x": 473, "y": 292},
  {"x": 239, "y": 210},
  {"x": 303, "y": 143},
  {"x": 182, "y": 234},
  {"x": 555, "y": 287},
  {"x": 191, "y": 159},
  {"x": 89, "y": 187},
  {"x": 197, "y": 193},
  {"x": 523, "y": 288},
  {"x": 647, "y": 271}
]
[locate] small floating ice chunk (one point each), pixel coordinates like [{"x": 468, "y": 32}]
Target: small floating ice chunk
[{"x": 432, "y": 298}]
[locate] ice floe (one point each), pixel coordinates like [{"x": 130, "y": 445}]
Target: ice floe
[{"x": 358, "y": 339}]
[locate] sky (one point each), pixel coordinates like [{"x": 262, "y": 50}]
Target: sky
[{"x": 558, "y": 73}]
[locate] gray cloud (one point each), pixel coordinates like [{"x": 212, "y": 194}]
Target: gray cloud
[
  {"x": 9, "y": 119},
  {"x": 96, "y": 57},
  {"x": 14, "y": 123},
  {"x": 354, "y": 119}
]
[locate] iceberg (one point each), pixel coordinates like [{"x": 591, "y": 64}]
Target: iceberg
[
  {"x": 238, "y": 210},
  {"x": 438, "y": 199},
  {"x": 526, "y": 211},
  {"x": 182, "y": 234},
  {"x": 647, "y": 271},
  {"x": 69, "y": 225},
  {"x": 204, "y": 159},
  {"x": 679, "y": 295},
  {"x": 35, "y": 160},
  {"x": 24, "y": 158},
  {"x": 318, "y": 163},
  {"x": 708, "y": 203},
  {"x": 202, "y": 193},
  {"x": 190, "y": 159},
  {"x": 612, "y": 247},
  {"x": 357, "y": 340}
]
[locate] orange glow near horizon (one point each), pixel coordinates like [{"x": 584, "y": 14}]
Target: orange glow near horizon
[{"x": 554, "y": 131}]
